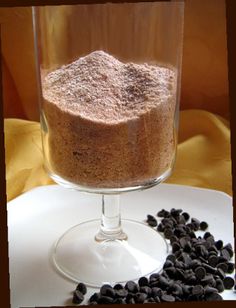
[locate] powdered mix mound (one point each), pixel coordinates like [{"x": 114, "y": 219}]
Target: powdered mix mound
[{"x": 110, "y": 124}]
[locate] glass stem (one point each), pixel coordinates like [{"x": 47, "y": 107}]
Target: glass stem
[{"x": 110, "y": 228}]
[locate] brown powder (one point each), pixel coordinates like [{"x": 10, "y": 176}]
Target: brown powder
[{"x": 110, "y": 123}]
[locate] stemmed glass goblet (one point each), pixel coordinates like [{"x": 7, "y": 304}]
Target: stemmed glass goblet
[{"x": 109, "y": 79}]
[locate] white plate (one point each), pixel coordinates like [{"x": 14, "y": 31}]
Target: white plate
[{"x": 37, "y": 218}]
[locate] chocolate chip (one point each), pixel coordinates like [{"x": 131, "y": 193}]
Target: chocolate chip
[
  {"x": 219, "y": 285},
  {"x": 230, "y": 267},
  {"x": 105, "y": 300},
  {"x": 110, "y": 292},
  {"x": 194, "y": 264},
  {"x": 198, "y": 290},
  {"x": 223, "y": 266},
  {"x": 181, "y": 219},
  {"x": 200, "y": 272},
  {"x": 206, "y": 235},
  {"x": 188, "y": 247},
  {"x": 175, "y": 247},
  {"x": 121, "y": 293},
  {"x": 184, "y": 241},
  {"x": 154, "y": 277},
  {"x": 118, "y": 286},
  {"x": 225, "y": 254},
  {"x": 219, "y": 244},
  {"x": 163, "y": 213},
  {"x": 129, "y": 296},
  {"x": 143, "y": 281},
  {"x": 151, "y": 220},
  {"x": 167, "y": 222},
  {"x": 82, "y": 288},
  {"x": 163, "y": 282},
  {"x": 131, "y": 286},
  {"x": 160, "y": 227},
  {"x": 164, "y": 274},
  {"x": 178, "y": 253},
  {"x": 167, "y": 264},
  {"x": 168, "y": 232},
  {"x": 176, "y": 289},
  {"x": 222, "y": 259},
  {"x": 212, "y": 253},
  {"x": 156, "y": 292},
  {"x": 167, "y": 298},
  {"x": 104, "y": 288},
  {"x": 140, "y": 297},
  {"x": 78, "y": 297},
  {"x": 213, "y": 260},
  {"x": 175, "y": 212},
  {"x": 171, "y": 257},
  {"x": 157, "y": 299},
  {"x": 220, "y": 273},
  {"x": 208, "y": 280},
  {"x": 186, "y": 216},
  {"x": 185, "y": 258},
  {"x": 228, "y": 282},
  {"x": 94, "y": 297},
  {"x": 180, "y": 275},
  {"x": 188, "y": 230},
  {"x": 196, "y": 223},
  {"x": 213, "y": 297},
  {"x": 209, "y": 269},
  {"x": 187, "y": 289},
  {"x": 173, "y": 239},
  {"x": 154, "y": 284},
  {"x": 192, "y": 280},
  {"x": 208, "y": 290},
  {"x": 146, "y": 290},
  {"x": 193, "y": 256},
  {"x": 192, "y": 235},
  {"x": 203, "y": 225},
  {"x": 201, "y": 251},
  {"x": 171, "y": 272},
  {"x": 190, "y": 227},
  {"x": 179, "y": 231},
  {"x": 229, "y": 248},
  {"x": 213, "y": 249},
  {"x": 179, "y": 264}
]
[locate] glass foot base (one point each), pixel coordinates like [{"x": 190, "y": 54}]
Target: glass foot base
[{"x": 80, "y": 257}]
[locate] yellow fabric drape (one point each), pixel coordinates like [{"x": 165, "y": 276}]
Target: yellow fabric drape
[
  {"x": 203, "y": 156},
  {"x": 23, "y": 157}
]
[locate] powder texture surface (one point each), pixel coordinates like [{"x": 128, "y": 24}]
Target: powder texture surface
[{"x": 110, "y": 124}]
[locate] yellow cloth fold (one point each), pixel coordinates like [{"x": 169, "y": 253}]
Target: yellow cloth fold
[
  {"x": 203, "y": 156},
  {"x": 23, "y": 157}
]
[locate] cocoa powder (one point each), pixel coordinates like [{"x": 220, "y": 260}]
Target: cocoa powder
[{"x": 110, "y": 124}]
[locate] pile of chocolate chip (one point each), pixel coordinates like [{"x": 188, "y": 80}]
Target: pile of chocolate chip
[{"x": 196, "y": 270}]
